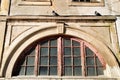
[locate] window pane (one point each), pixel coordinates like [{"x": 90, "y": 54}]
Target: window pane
[
  {"x": 45, "y": 43},
  {"x": 67, "y": 61},
  {"x": 44, "y": 51},
  {"x": 30, "y": 71},
  {"x": 53, "y": 70},
  {"x": 43, "y": 70},
  {"x": 67, "y": 42},
  {"x": 44, "y": 61},
  {"x": 53, "y": 51},
  {"x": 30, "y": 61},
  {"x": 100, "y": 71},
  {"x": 67, "y": 51},
  {"x": 77, "y": 61},
  {"x": 75, "y": 43},
  {"x": 53, "y": 43},
  {"x": 91, "y": 71},
  {"x": 68, "y": 71},
  {"x": 53, "y": 60},
  {"x": 98, "y": 62},
  {"x": 90, "y": 61},
  {"x": 76, "y": 51},
  {"x": 88, "y": 52},
  {"x": 22, "y": 71},
  {"x": 77, "y": 71},
  {"x": 31, "y": 51}
]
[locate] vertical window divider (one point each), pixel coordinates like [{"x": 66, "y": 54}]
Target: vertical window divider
[
  {"x": 25, "y": 66},
  {"x": 36, "y": 60},
  {"x": 60, "y": 55},
  {"x": 72, "y": 58},
  {"x": 95, "y": 64},
  {"x": 83, "y": 58},
  {"x": 48, "y": 72}
]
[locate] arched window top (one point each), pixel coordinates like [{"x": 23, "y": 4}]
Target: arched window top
[{"x": 61, "y": 55}]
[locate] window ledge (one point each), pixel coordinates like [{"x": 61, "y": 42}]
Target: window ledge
[
  {"x": 27, "y": 3},
  {"x": 64, "y": 77}
]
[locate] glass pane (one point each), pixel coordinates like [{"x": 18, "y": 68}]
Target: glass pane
[
  {"x": 76, "y": 51},
  {"x": 91, "y": 71},
  {"x": 68, "y": 71},
  {"x": 77, "y": 71},
  {"x": 67, "y": 51},
  {"x": 98, "y": 62},
  {"x": 100, "y": 71},
  {"x": 88, "y": 52},
  {"x": 44, "y": 51},
  {"x": 77, "y": 61},
  {"x": 53, "y": 70},
  {"x": 67, "y": 61},
  {"x": 75, "y": 43},
  {"x": 31, "y": 51},
  {"x": 30, "y": 71},
  {"x": 22, "y": 71},
  {"x": 90, "y": 61},
  {"x": 67, "y": 42},
  {"x": 44, "y": 61},
  {"x": 53, "y": 51},
  {"x": 45, "y": 43},
  {"x": 53, "y": 60},
  {"x": 43, "y": 70},
  {"x": 53, "y": 43},
  {"x": 30, "y": 60}
]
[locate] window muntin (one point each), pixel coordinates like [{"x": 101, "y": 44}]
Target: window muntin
[{"x": 60, "y": 56}]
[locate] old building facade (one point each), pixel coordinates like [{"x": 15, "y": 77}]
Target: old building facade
[{"x": 59, "y": 39}]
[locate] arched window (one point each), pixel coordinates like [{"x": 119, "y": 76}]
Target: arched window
[{"x": 63, "y": 56}]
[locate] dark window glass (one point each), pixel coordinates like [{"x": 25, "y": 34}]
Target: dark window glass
[
  {"x": 67, "y": 42},
  {"x": 44, "y": 61},
  {"x": 44, "y": 51},
  {"x": 77, "y": 61},
  {"x": 67, "y": 51},
  {"x": 53, "y": 60},
  {"x": 75, "y": 43},
  {"x": 76, "y": 51},
  {"x": 77, "y": 71},
  {"x": 67, "y": 61},
  {"x": 30, "y": 61},
  {"x": 53, "y": 70},
  {"x": 53, "y": 51},
  {"x": 29, "y": 70},
  {"x": 53, "y": 43},
  {"x": 90, "y": 61},
  {"x": 91, "y": 71},
  {"x": 68, "y": 71},
  {"x": 43, "y": 70},
  {"x": 22, "y": 71}
]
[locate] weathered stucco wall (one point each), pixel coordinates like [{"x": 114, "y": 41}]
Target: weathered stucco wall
[{"x": 21, "y": 24}]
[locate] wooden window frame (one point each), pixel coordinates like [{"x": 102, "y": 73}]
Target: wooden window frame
[
  {"x": 60, "y": 57},
  {"x": 35, "y": 3},
  {"x": 86, "y": 4}
]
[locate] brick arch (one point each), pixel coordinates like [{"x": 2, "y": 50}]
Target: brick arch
[{"x": 28, "y": 37}]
